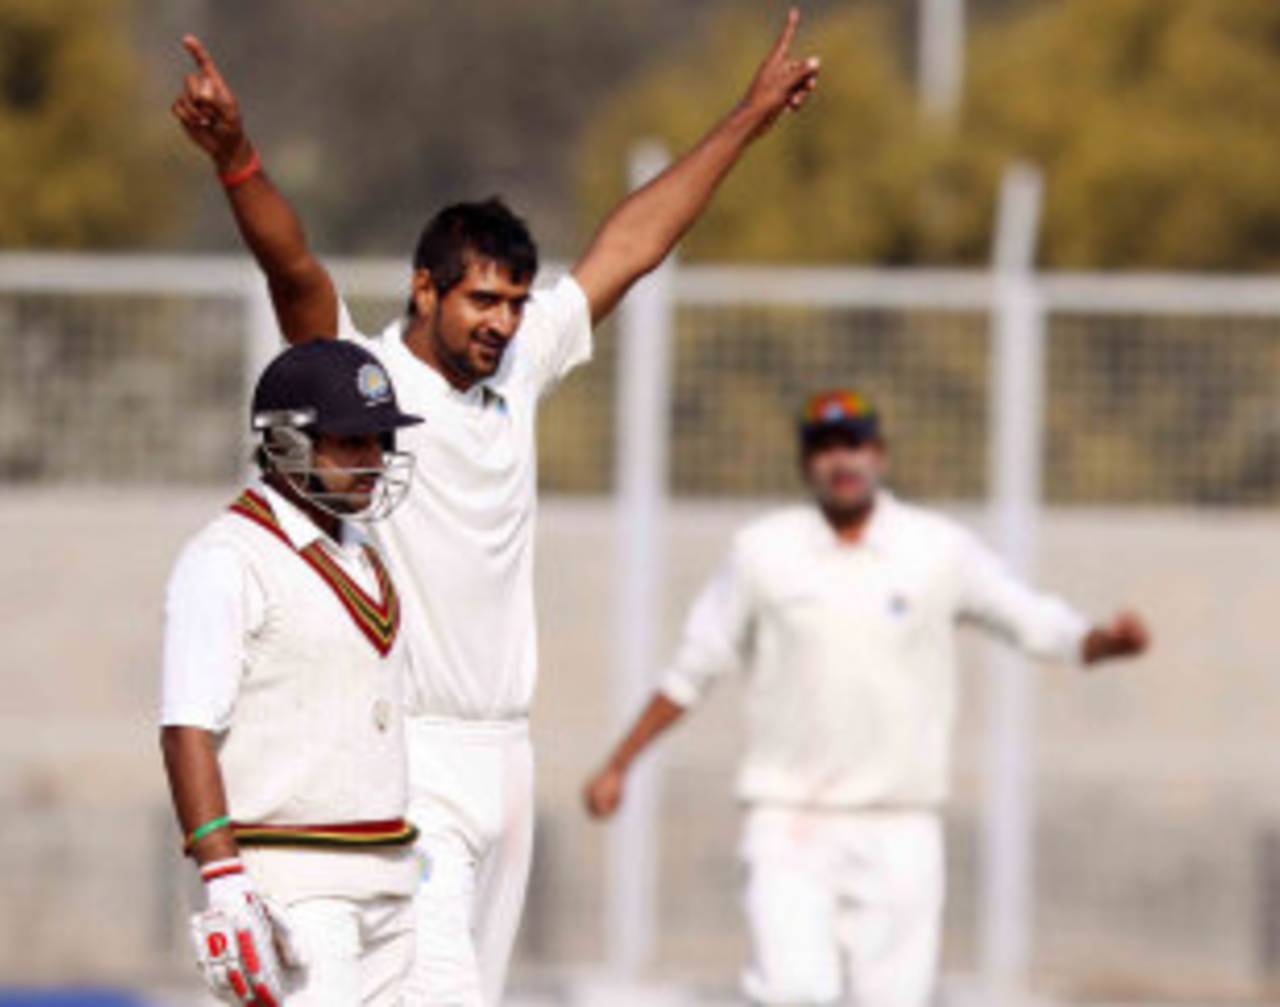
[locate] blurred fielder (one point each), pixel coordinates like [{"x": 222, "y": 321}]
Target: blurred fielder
[
  {"x": 843, "y": 611},
  {"x": 283, "y": 730},
  {"x": 476, "y": 351}
]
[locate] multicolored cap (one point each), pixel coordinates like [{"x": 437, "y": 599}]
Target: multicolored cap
[{"x": 839, "y": 410}]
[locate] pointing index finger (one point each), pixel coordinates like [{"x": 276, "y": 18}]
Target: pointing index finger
[
  {"x": 201, "y": 56},
  {"x": 787, "y": 34}
]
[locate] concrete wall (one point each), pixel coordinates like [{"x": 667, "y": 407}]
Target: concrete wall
[{"x": 1158, "y": 866}]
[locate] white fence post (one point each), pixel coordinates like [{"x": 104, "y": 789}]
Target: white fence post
[
  {"x": 940, "y": 55},
  {"x": 643, "y": 421},
  {"x": 1016, "y": 445}
]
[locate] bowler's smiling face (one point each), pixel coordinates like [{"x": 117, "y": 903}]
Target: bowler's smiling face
[{"x": 478, "y": 317}]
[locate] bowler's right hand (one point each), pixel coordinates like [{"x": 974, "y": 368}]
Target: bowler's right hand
[{"x": 209, "y": 112}]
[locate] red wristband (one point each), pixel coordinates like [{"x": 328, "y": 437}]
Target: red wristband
[
  {"x": 230, "y": 179},
  {"x": 221, "y": 869}
]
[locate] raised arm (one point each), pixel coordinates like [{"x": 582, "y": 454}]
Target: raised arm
[
  {"x": 645, "y": 226},
  {"x": 302, "y": 291}
]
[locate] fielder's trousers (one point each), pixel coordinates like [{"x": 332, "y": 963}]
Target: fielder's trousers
[{"x": 843, "y": 907}]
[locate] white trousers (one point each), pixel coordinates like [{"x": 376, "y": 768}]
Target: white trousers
[
  {"x": 471, "y": 796},
  {"x": 357, "y": 952},
  {"x": 843, "y": 907}
]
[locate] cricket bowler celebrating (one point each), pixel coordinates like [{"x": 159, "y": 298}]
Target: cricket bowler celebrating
[
  {"x": 842, "y": 613},
  {"x": 476, "y": 351},
  {"x": 283, "y": 732}
]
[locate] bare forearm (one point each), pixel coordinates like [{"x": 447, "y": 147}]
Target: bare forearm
[
  {"x": 195, "y": 783},
  {"x": 644, "y": 228},
  {"x": 659, "y": 715},
  {"x": 270, "y": 227},
  {"x": 651, "y": 220},
  {"x": 301, "y": 290},
  {"x": 305, "y": 301}
]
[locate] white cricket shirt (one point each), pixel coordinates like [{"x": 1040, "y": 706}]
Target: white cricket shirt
[
  {"x": 850, "y": 651},
  {"x": 461, "y": 546}
]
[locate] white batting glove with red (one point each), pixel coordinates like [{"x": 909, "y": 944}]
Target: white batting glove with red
[{"x": 243, "y": 943}]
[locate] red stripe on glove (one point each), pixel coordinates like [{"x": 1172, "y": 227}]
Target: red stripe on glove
[{"x": 248, "y": 952}]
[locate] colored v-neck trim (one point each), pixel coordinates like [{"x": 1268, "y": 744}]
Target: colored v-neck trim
[{"x": 378, "y": 621}]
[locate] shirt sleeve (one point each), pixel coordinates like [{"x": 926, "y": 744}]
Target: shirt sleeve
[
  {"x": 716, "y": 637},
  {"x": 991, "y": 596},
  {"x": 212, "y": 603},
  {"x": 556, "y": 333}
]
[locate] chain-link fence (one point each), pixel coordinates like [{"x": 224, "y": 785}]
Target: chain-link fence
[
  {"x": 120, "y": 378},
  {"x": 119, "y": 389}
]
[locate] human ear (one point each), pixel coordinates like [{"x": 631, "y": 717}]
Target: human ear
[{"x": 423, "y": 293}]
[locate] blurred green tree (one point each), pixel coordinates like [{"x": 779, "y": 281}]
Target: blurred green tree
[
  {"x": 1150, "y": 119},
  {"x": 1153, "y": 120},
  {"x": 82, "y": 152}
]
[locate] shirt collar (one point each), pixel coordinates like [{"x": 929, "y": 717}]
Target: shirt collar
[
  {"x": 879, "y": 532},
  {"x": 298, "y": 527}
]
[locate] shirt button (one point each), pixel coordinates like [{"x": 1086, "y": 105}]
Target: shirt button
[{"x": 382, "y": 715}]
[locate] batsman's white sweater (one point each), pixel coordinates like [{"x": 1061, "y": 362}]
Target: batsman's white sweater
[
  {"x": 850, "y": 652},
  {"x": 261, "y": 650}
]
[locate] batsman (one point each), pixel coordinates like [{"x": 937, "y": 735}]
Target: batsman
[{"x": 284, "y": 668}]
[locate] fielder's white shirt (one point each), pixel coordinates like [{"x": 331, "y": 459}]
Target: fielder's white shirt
[
  {"x": 460, "y": 548},
  {"x": 850, "y": 650}
]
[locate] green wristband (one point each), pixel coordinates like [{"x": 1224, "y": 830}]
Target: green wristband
[{"x": 213, "y": 825}]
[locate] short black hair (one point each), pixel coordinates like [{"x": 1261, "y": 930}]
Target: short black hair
[{"x": 487, "y": 230}]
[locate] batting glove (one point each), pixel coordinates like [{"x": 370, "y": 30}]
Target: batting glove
[{"x": 243, "y": 942}]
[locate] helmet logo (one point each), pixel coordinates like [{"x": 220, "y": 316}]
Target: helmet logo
[{"x": 373, "y": 384}]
